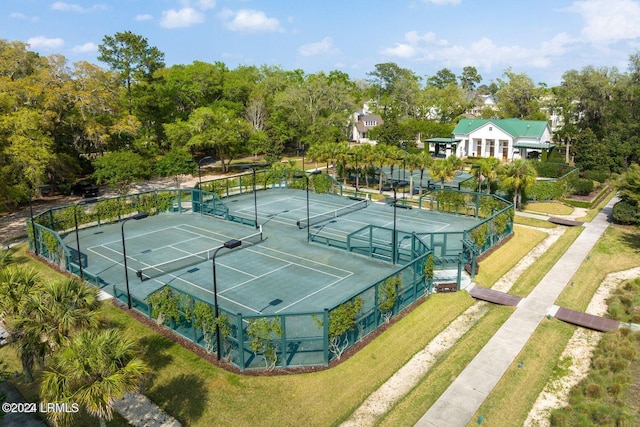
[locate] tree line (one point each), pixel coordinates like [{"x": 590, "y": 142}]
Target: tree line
[{"x": 58, "y": 121}]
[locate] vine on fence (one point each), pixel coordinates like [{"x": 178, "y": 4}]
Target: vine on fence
[
  {"x": 389, "y": 290},
  {"x": 341, "y": 320},
  {"x": 262, "y": 333},
  {"x": 480, "y": 234}
]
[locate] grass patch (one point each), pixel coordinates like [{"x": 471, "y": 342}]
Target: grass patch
[
  {"x": 532, "y": 276},
  {"x": 618, "y": 249},
  {"x": 505, "y": 257},
  {"x": 533, "y": 222},
  {"x": 549, "y": 208},
  {"x": 609, "y": 394},
  {"x": 409, "y": 410},
  {"x": 538, "y": 358},
  {"x": 200, "y": 394}
]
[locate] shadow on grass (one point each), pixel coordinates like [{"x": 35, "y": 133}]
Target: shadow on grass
[
  {"x": 155, "y": 351},
  {"x": 632, "y": 239},
  {"x": 184, "y": 397}
]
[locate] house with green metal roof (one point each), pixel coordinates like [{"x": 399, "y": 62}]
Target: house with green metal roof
[{"x": 504, "y": 139}]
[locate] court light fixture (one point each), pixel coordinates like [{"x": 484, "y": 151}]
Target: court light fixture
[
  {"x": 75, "y": 219},
  {"x": 306, "y": 175},
  {"x": 229, "y": 244},
  {"x": 135, "y": 217}
]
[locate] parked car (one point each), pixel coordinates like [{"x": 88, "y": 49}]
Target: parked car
[{"x": 85, "y": 189}]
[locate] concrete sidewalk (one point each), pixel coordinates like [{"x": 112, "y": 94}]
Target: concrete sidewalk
[{"x": 457, "y": 405}]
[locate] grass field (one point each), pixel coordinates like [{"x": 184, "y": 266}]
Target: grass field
[
  {"x": 506, "y": 257},
  {"x": 549, "y": 208},
  {"x": 533, "y": 222},
  {"x": 532, "y": 276}
]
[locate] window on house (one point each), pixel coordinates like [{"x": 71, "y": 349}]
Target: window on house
[{"x": 370, "y": 122}]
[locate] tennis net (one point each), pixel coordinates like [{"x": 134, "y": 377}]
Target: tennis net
[
  {"x": 161, "y": 269},
  {"x": 317, "y": 219}
]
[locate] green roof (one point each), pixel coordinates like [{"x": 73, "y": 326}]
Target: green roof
[
  {"x": 533, "y": 145},
  {"x": 515, "y": 127}
]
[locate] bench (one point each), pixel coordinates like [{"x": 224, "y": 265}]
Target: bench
[{"x": 447, "y": 287}]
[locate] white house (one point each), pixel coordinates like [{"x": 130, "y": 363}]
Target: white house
[
  {"x": 362, "y": 123},
  {"x": 504, "y": 139}
]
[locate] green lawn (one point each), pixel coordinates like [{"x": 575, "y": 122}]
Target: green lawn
[
  {"x": 506, "y": 257},
  {"x": 549, "y": 208},
  {"x": 533, "y": 222},
  {"x": 532, "y": 276}
]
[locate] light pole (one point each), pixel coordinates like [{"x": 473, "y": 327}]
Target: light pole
[
  {"x": 124, "y": 253},
  {"x": 33, "y": 225},
  {"x": 254, "y": 167},
  {"x": 305, "y": 175},
  {"x": 204, "y": 159},
  {"x": 229, "y": 244},
  {"x": 394, "y": 237},
  {"x": 75, "y": 219}
]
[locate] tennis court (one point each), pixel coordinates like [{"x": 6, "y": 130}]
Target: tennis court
[
  {"x": 279, "y": 273},
  {"x": 274, "y": 270}
]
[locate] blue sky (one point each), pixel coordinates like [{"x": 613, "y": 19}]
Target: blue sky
[{"x": 543, "y": 38}]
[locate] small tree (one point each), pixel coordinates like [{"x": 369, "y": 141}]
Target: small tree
[
  {"x": 176, "y": 163},
  {"x": 262, "y": 333},
  {"x": 120, "y": 169},
  {"x": 389, "y": 291},
  {"x": 341, "y": 320}
]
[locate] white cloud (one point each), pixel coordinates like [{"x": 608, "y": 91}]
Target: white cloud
[
  {"x": 144, "y": 17},
  {"x": 85, "y": 48},
  {"x": 24, "y": 17},
  {"x": 609, "y": 21},
  {"x": 251, "y": 21},
  {"x": 483, "y": 53},
  {"x": 181, "y": 18},
  {"x": 41, "y": 42},
  {"x": 439, "y": 2},
  {"x": 323, "y": 47},
  {"x": 72, "y": 7},
  {"x": 400, "y": 50}
]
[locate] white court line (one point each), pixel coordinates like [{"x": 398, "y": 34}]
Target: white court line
[
  {"x": 135, "y": 236},
  {"x": 254, "y": 277},
  {"x": 313, "y": 293},
  {"x": 191, "y": 283},
  {"x": 305, "y": 259}
]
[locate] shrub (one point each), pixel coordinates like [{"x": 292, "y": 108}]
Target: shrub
[
  {"x": 625, "y": 213},
  {"x": 582, "y": 187},
  {"x": 594, "y": 391},
  {"x": 595, "y": 175}
]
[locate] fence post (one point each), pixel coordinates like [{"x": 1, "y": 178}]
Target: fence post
[
  {"x": 240, "y": 338},
  {"x": 283, "y": 340},
  {"x": 325, "y": 335}
]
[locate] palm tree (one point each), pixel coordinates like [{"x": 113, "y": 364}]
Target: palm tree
[
  {"x": 442, "y": 171},
  {"x": 413, "y": 163},
  {"x": 18, "y": 286},
  {"x": 380, "y": 156},
  {"x": 92, "y": 370},
  {"x": 6, "y": 258},
  {"x": 488, "y": 168},
  {"x": 424, "y": 161},
  {"x": 63, "y": 308},
  {"x": 517, "y": 176}
]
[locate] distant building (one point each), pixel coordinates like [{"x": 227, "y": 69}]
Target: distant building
[
  {"x": 504, "y": 139},
  {"x": 363, "y": 122}
]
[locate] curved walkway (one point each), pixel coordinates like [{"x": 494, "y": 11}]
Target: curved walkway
[{"x": 457, "y": 405}]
